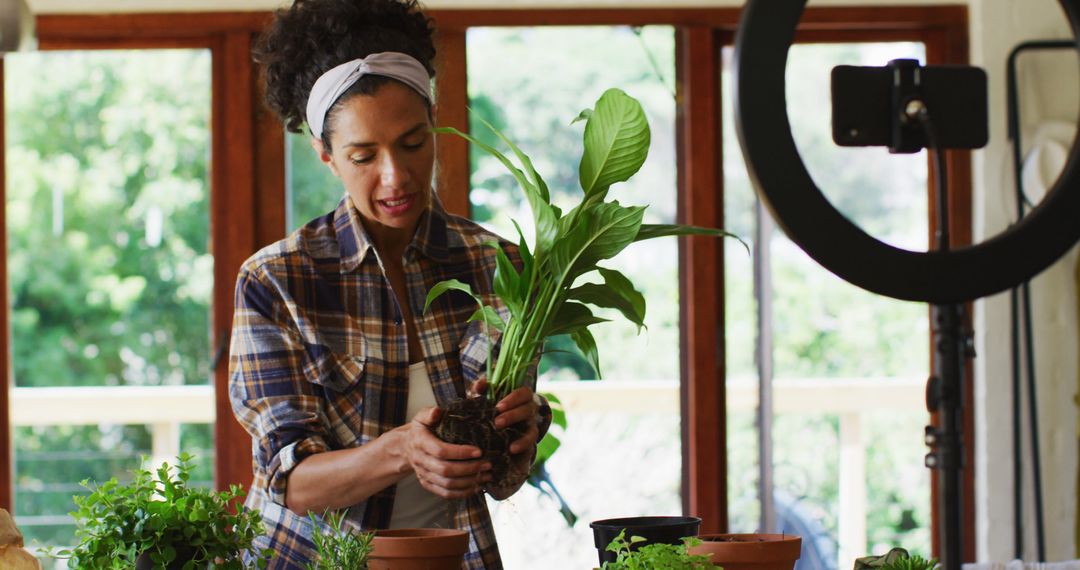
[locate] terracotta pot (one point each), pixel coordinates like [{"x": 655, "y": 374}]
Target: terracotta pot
[
  {"x": 750, "y": 551},
  {"x": 418, "y": 549}
]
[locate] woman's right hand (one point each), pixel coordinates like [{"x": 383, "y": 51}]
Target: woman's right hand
[{"x": 447, "y": 470}]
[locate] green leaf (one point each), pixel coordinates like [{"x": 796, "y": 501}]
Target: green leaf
[
  {"x": 582, "y": 116},
  {"x": 650, "y": 231},
  {"x": 547, "y": 447},
  {"x": 448, "y": 285},
  {"x": 617, "y": 292},
  {"x": 599, "y": 233},
  {"x": 585, "y": 341},
  {"x": 528, "y": 264},
  {"x": 538, "y": 182},
  {"x": 570, "y": 318},
  {"x": 489, "y": 316},
  {"x": 544, "y": 215},
  {"x": 616, "y": 142},
  {"x": 507, "y": 282}
]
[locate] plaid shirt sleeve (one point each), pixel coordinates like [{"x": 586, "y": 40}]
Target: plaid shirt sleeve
[{"x": 269, "y": 396}]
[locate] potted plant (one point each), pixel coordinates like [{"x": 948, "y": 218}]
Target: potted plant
[
  {"x": 161, "y": 522},
  {"x": 670, "y": 530},
  {"x": 418, "y": 549},
  {"x": 911, "y": 562},
  {"x": 754, "y": 551},
  {"x": 895, "y": 559},
  {"x": 634, "y": 555},
  {"x": 337, "y": 546},
  {"x": 548, "y": 293}
]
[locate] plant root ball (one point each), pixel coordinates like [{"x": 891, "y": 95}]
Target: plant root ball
[{"x": 471, "y": 421}]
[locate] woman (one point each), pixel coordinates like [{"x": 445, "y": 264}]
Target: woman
[{"x": 335, "y": 369}]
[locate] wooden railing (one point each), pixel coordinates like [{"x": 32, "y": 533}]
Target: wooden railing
[{"x": 163, "y": 409}]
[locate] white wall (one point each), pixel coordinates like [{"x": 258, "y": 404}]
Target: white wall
[{"x": 1050, "y": 92}]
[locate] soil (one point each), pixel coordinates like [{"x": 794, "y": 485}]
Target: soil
[
  {"x": 471, "y": 421},
  {"x": 730, "y": 539}
]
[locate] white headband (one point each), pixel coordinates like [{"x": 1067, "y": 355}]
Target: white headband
[{"x": 333, "y": 83}]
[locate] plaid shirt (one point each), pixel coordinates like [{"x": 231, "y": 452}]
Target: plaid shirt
[{"x": 319, "y": 358}]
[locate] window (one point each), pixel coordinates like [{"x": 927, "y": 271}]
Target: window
[
  {"x": 310, "y": 187},
  {"x": 845, "y": 369},
  {"x": 623, "y": 431},
  {"x": 126, "y": 249},
  {"x": 108, "y": 181}
]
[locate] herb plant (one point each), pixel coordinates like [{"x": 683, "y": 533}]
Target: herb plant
[
  {"x": 911, "y": 562},
  {"x": 655, "y": 556},
  {"x": 162, "y": 518},
  {"x": 338, "y": 546},
  {"x": 547, "y": 297}
]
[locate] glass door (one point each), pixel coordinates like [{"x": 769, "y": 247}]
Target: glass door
[
  {"x": 110, "y": 271},
  {"x": 621, "y": 452},
  {"x": 831, "y": 447}
]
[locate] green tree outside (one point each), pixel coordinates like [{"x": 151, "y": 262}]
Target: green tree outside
[{"x": 108, "y": 253}]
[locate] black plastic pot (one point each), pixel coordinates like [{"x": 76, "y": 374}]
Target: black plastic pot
[{"x": 663, "y": 530}]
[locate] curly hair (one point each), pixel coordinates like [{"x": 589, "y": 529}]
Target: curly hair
[{"x": 310, "y": 37}]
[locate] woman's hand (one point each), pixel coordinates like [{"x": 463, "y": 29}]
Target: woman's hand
[
  {"x": 447, "y": 470},
  {"x": 519, "y": 407}
]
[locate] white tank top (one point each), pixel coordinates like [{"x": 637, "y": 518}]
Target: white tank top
[{"x": 415, "y": 506}]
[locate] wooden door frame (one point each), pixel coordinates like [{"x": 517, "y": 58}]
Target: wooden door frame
[
  {"x": 7, "y": 463},
  {"x": 247, "y": 207}
]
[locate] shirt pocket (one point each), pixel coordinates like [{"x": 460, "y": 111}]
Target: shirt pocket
[
  {"x": 473, "y": 350},
  {"x": 336, "y": 371}
]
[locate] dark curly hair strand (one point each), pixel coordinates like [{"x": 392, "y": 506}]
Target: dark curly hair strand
[{"x": 310, "y": 37}]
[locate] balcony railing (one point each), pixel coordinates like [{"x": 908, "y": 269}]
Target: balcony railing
[{"x": 163, "y": 409}]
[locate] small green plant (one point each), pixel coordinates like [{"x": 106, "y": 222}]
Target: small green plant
[
  {"x": 910, "y": 562},
  {"x": 895, "y": 559},
  {"x": 164, "y": 519},
  {"x": 338, "y": 546},
  {"x": 548, "y": 297},
  {"x": 655, "y": 556}
]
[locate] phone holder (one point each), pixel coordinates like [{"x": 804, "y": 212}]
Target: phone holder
[
  {"x": 765, "y": 33},
  {"x": 879, "y": 106}
]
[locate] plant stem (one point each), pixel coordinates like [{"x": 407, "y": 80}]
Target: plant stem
[{"x": 518, "y": 348}]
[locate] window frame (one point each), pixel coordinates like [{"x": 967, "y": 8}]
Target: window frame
[
  {"x": 248, "y": 177},
  {"x": 245, "y": 143},
  {"x": 701, "y": 35}
]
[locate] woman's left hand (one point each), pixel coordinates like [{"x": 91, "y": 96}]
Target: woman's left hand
[{"x": 519, "y": 407}]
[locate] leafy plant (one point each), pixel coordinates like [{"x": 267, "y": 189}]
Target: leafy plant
[
  {"x": 162, "y": 518},
  {"x": 895, "y": 559},
  {"x": 911, "y": 562},
  {"x": 337, "y": 545},
  {"x": 655, "y": 556},
  {"x": 547, "y": 297}
]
